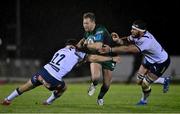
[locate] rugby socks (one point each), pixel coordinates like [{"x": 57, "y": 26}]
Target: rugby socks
[
  {"x": 145, "y": 95},
  {"x": 95, "y": 82},
  {"x": 160, "y": 80},
  {"x": 51, "y": 98},
  {"x": 13, "y": 95},
  {"x": 103, "y": 91}
]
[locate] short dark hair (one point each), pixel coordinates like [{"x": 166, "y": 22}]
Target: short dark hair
[
  {"x": 89, "y": 15},
  {"x": 140, "y": 24},
  {"x": 71, "y": 42}
]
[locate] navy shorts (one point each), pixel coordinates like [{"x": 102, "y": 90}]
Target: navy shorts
[
  {"x": 54, "y": 83},
  {"x": 156, "y": 68}
]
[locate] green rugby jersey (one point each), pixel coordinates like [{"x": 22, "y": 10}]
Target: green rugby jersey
[{"x": 100, "y": 34}]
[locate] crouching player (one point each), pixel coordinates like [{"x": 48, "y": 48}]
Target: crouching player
[{"x": 50, "y": 76}]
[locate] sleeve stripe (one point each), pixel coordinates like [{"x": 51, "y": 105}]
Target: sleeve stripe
[{"x": 138, "y": 48}]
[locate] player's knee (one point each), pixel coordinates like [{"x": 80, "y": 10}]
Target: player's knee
[
  {"x": 35, "y": 82},
  {"x": 140, "y": 78},
  {"x": 146, "y": 84},
  {"x": 95, "y": 77},
  {"x": 61, "y": 87}
]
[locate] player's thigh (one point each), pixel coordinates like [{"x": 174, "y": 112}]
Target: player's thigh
[
  {"x": 107, "y": 76},
  {"x": 95, "y": 70},
  {"x": 142, "y": 70},
  {"x": 148, "y": 80},
  {"x": 141, "y": 74},
  {"x": 156, "y": 70},
  {"x": 152, "y": 76}
]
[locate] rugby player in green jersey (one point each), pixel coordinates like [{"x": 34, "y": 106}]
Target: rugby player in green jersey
[{"x": 95, "y": 36}]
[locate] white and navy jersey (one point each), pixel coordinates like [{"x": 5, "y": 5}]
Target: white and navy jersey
[
  {"x": 63, "y": 61},
  {"x": 150, "y": 48}
]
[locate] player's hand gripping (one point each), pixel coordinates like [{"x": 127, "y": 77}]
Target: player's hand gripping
[
  {"x": 116, "y": 59},
  {"x": 105, "y": 49},
  {"x": 116, "y": 38}
]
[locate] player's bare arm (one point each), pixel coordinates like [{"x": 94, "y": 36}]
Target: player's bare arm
[
  {"x": 129, "y": 49},
  {"x": 99, "y": 58},
  {"x": 95, "y": 46},
  {"x": 120, "y": 40},
  {"x": 119, "y": 49}
]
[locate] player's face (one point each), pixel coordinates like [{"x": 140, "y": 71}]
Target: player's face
[
  {"x": 88, "y": 24},
  {"x": 135, "y": 33}
]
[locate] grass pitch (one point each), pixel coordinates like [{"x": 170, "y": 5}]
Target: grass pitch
[{"x": 119, "y": 99}]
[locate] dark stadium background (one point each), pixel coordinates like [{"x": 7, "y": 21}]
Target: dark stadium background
[{"x": 37, "y": 28}]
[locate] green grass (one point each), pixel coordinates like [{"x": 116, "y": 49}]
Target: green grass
[{"x": 120, "y": 98}]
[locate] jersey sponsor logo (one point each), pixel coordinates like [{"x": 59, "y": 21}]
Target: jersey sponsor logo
[
  {"x": 98, "y": 37},
  {"x": 90, "y": 39},
  {"x": 99, "y": 32}
]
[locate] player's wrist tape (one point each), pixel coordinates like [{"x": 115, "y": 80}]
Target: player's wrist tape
[{"x": 110, "y": 50}]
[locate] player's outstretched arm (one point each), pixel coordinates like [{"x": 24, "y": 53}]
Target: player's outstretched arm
[
  {"x": 95, "y": 46},
  {"x": 119, "y": 49},
  {"x": 99, "y": 58},
  {"x": 120, "y": 40},
  {"x": 125, "y": 49}
]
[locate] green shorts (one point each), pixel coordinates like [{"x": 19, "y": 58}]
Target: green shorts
[{"x": 110, "y": 65}]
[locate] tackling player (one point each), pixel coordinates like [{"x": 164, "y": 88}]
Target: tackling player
[
  {"x": 50, "y": 76},
  {"x": 156, "y": 59}
]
